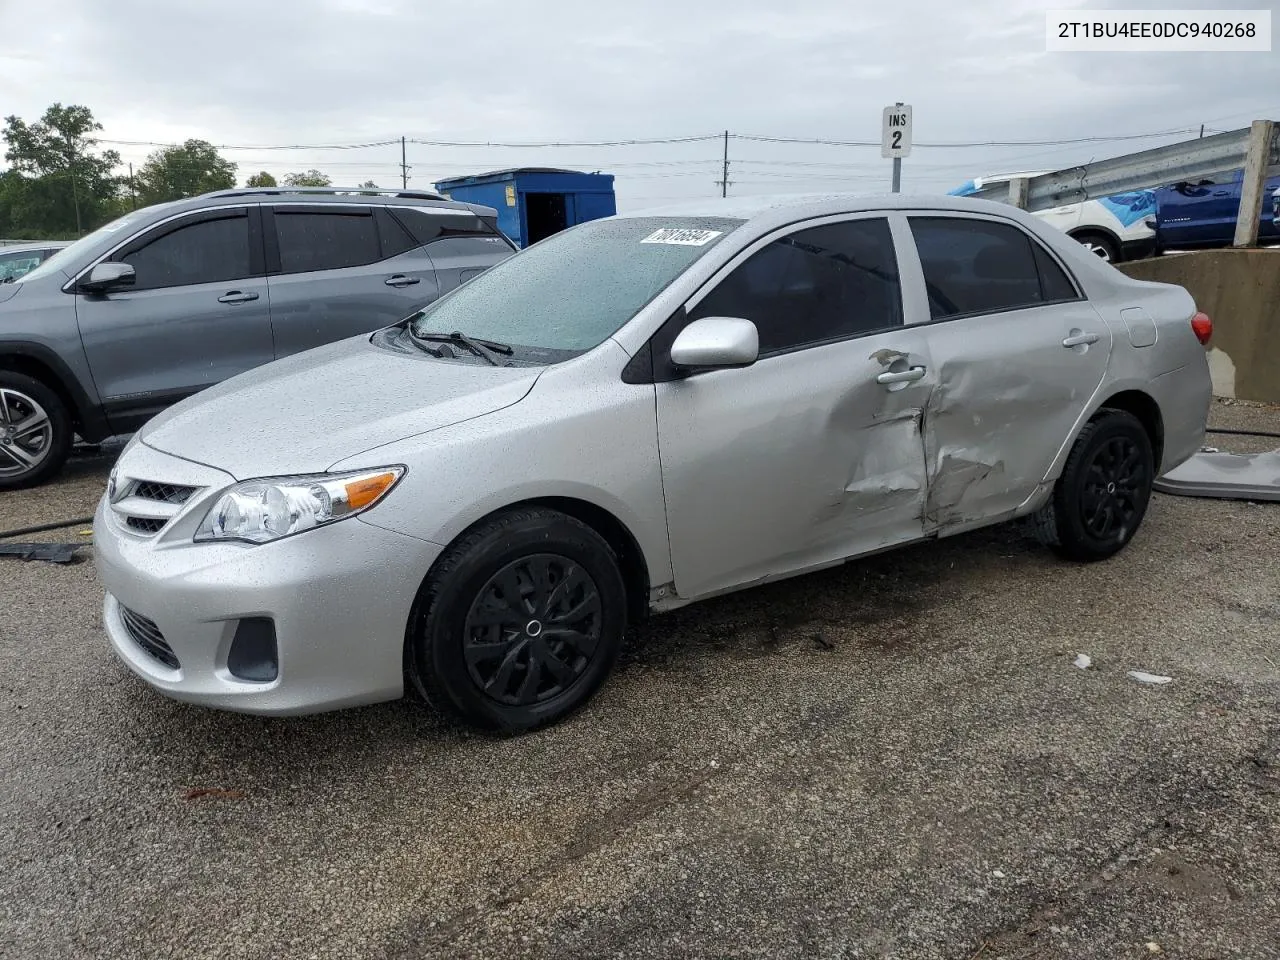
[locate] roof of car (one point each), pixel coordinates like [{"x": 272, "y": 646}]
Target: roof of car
[
  {"x": 347, "y": 195},
  {"x": 804, "y": 206}
]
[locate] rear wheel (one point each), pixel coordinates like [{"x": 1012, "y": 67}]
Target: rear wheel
[
  {"x": 35, "y": 431},
  {"x": 1099, "y": 244},
  {"x": 1101, "y": 498},
  {"x": 520, "y": 622}
]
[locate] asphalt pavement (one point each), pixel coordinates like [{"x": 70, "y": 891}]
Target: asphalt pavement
[{"x": 896, "y": 758}]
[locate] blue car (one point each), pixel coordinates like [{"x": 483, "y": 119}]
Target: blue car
[{"x": 1203, "y": 214}]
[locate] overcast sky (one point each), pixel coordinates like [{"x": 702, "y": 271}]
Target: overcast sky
[{"x": 316, "y": 72}]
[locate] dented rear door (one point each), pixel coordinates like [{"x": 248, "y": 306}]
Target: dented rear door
[
  {"x": 1018, "y": 353},
  {"x": 813, "y": 453}
]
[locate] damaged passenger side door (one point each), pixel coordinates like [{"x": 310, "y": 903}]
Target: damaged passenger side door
[
  {"x": 812, "y": 453},
  {"x": 1019, "y": 354}
]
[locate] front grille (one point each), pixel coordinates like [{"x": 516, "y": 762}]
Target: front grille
[
  {"x": 145, "y": 524},
  {"x": 146, "y": 506},
  {"x": 164, "y": 492},
  {"x": 148, "y": 636}
]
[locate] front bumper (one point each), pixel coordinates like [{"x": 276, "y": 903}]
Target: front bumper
[{"x": 339, "y": 597}]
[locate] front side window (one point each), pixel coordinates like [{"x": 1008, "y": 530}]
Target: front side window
[
  {"x": 979, "y": 266},
  {"x": 578, "y": 287},
  {"x": 814, "y": 286},
  {"x": 207, "y": 251},
  {"x": 325, "y": 241}
]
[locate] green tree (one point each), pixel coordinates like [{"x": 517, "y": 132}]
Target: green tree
[
  {"x": 369, "y": 185},
  {"x": 188, "y": 170},
  {"x": 311, "y": 178},
  {"x": 261, "y": 179},
  {"x": 59, "y": 184}
]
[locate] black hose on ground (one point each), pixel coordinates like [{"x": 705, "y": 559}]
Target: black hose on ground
[
  {"x": 1243, "y": 433},
  {"x": 23, "y": 531}
]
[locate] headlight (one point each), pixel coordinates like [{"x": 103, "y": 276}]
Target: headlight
[{"x": 258, "y": 511}]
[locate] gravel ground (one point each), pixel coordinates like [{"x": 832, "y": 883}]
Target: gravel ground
[{"x": 892, "y": 759}]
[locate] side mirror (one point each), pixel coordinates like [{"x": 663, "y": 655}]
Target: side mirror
[
  {"x": 717, "y": 342},
  {"x": 108, "y": 276}
]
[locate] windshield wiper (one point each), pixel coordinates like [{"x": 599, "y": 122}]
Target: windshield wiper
[{"x": 486, "y": 349}]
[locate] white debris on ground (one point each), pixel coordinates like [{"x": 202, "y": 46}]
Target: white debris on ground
[
  {"x": 1143, "y": 677},
  {"x": 1083, "y": 661}
]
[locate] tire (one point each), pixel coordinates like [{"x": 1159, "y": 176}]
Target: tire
[
  {"x": 36, "y": 453},
  {"x": 1099, "y": 244},
  {"x": 471, "y": 649},
  {"x": 1100, "y": 500}
]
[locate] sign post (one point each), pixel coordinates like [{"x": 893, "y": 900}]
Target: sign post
[{"x": 895, "y": 138}]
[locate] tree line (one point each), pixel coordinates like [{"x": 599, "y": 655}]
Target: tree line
[{"x": 59, "y": 184}]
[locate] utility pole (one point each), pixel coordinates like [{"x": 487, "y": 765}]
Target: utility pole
[
  {"x": 897, "y": 167},
  {"x": 404, "y": 166},
  {"x": 133, "y": 191},
  {"x": 724, "y": 172}
]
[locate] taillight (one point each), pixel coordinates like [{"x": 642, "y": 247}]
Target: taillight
[{"x": 1202, "y": 326}]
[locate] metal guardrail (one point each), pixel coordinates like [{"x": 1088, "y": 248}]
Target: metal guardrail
[{"x": 1255, "y": 148}]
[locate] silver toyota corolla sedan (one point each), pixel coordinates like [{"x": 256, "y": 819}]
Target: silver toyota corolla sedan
[{"x": 629, "y": 416}]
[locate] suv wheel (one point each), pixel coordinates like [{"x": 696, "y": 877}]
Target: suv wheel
[
  {"x": 1099, "y": 501},
  {"x": 520, "y": 622},
  {"x": 35, "y": 431}
]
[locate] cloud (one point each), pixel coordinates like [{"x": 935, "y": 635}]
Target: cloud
[{"x": 346, "y": 71}]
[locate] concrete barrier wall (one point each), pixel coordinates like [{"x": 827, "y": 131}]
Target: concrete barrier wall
[{"x": 1240, "y": 290}]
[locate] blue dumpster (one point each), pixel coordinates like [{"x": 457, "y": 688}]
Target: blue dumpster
[{"x": 535, "y": 202}]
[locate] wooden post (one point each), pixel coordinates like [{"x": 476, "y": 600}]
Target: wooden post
[
  {"x": 1018, "y": 192},
  {"x": 1256, "y": 160}
]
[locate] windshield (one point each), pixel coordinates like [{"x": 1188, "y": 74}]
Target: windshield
[
  {"x": 569, "y": 293},
  {"x": 98, "y": 238}
]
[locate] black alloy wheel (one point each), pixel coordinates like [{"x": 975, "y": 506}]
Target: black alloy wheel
[
  {"x": 1111, "y": 494},
  {"x": 533, "y": 629},
  {"x": 519, "y": 621},
  {"x": 1101, "y": 498}
]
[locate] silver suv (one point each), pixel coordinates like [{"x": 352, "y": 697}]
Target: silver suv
[{"x": 174, "y": 298}]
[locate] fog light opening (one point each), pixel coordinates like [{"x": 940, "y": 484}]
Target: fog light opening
[{"x": 253, "y": 654}]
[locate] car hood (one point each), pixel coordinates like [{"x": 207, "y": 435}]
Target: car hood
[{"x": 305, "y": 413}]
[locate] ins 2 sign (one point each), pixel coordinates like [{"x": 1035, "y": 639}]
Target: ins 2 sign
[{"x": 895, "y": 132}]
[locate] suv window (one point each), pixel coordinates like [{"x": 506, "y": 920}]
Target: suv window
[
  {"x": 211, "y": 250},
  {"x": 979, "y": 266},
  {"x": 436, "y": 223},
  {"x": 395, "y": 238},
  {"x": 15, "y": 265},
  {"x": 813, "y": 286},
  {"x": 325, "y": 240}
]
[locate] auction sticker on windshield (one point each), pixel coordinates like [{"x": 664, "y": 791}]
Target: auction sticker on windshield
[{"x": 682, "y": 237}]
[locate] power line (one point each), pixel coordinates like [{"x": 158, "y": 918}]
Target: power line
[
  {"x": 959, "y": 144},
  {"x": 651, "y": 141}
]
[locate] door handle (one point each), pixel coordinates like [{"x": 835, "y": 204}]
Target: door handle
[
  {"x": 235, "y": 296},
  {"x": 400, "y": 280},
  {"x": 1080, "y": 339},
  {"x": 901, "y": 376}
]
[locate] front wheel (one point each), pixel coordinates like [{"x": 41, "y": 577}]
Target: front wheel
[
  {"x": 519, "y": 623},
  {"x": 1101, "y": 498}
]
